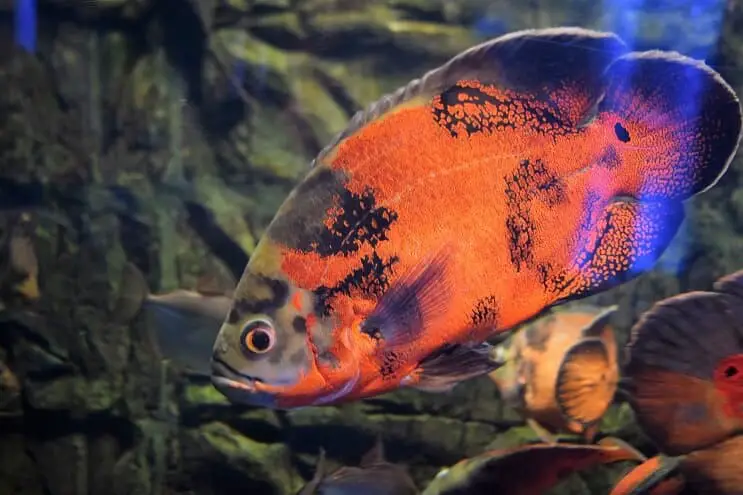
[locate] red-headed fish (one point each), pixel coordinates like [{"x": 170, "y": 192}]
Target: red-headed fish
[
  {"x": 528, "y": 469},
  {"x": 561, "y": 370},
  {"x": 542, "y": 166},
  {"x": 684, "y": 379}
]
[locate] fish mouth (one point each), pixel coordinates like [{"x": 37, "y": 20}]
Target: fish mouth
[{"x": 225, "y": 376}]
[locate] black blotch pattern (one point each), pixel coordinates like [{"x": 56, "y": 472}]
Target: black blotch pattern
[
  {"x": 390, "y": 364},
  {"x": 621, "y": 132},
  {"x": 485, "y": 312},
  {"x": 301, "y": 223},
  {"x": 358, "y": 222},
  {"x": 279, "y": 291},
  {"x": 531, "y": 180},
  {"x": 371, "y": 279},
  {"x": 299, "y": 324},
  {"x": 494, "y": 113}
]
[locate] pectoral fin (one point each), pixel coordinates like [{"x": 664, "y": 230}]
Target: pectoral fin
[{"x": 441, "y": 371}]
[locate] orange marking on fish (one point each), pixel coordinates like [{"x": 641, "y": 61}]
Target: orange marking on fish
[
  {"x": 632, "y": 480},
  {"x": 297, "y": 301}
]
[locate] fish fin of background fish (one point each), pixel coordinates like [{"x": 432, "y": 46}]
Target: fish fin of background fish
[
  {"x": 418, "y": 297},
  {"x": 187, "y": 337},
  {"x": 632, "y": 235},
  {"x": 688, "y": 333},
  {"x": 682, "y": 112},
  {"x": 597, "y": 327},
  {"x": 133, "y": 290},
  {"x": 646, "y": 477},
  {"x": 216, "y": 284},
  {"x": 441, "y": 371},
  {"x": 320, "y": 472},
  {"x": 621, "y": 444},
  {"x": 732, "y": 285},
  {"x": 716, "y": 469},
  {"x": 535, "y": 60},
  {"x": 674, "y": 351},
  {"x": 585, "y": 385},
  {"x": 541, "y": 432},
  {"x": 375, "y": 455}
]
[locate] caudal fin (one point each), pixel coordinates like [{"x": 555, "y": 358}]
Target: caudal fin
[
  {"x": 677, "y": 124},
  {"x": 586, "y": 382}
]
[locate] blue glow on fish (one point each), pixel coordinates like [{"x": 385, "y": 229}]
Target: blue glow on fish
[
  {"x": 701, "y": 22},
  {"x": 25, "y": 24}
]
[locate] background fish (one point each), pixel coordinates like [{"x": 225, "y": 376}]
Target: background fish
[
  {"x": 527, "y": 470},
  {"x": 684, "y": 379},
  {"x": 19, "y": 262},
  {"x": 373, "y": 476},
  {"x": 561, "y": 370},
  {"x": 185, "y": 322},
  {"x": 378, "y": 271}
]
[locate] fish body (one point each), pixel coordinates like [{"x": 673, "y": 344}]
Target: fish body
[
  {"x": 374, "y": 476},
  {"x": 561, "y": 370},
  {"x": 540, "y": 167},
  {"x": 528, "y": 469},
  {"x": 683, "y": 380}
]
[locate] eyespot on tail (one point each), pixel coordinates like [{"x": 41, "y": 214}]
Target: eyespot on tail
[
  {"x": 586, "y": 382},
  {"x": 678, "y": 123}
]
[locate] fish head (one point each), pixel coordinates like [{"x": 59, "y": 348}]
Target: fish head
[{"x": 265, "y": 353}]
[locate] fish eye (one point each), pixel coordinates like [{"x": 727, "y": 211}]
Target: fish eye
[{"x": 258, "y": 337}]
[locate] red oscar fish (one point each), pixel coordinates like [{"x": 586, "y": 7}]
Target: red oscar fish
[
  {"x": 540, "y": 167},
  {"x": 527, "y": 469},
  {"x": 561, "y": 370},
  {"x": 684, "y": 379}
]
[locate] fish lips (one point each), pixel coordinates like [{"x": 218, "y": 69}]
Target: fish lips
[{"x": 239, "y": 388}]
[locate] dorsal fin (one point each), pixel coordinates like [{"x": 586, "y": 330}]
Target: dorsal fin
[
  {"x": 375, "y": 455},
  {"x": 597, "y": 326},
  {"x": 557, "y": 57}
]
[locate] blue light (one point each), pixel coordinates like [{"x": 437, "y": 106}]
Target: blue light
[{"x": 25, "y": 24}]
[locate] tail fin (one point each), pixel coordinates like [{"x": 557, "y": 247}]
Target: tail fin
[
  {"x": 678, "y": 123},
  {"x": 586, "y": 382}
]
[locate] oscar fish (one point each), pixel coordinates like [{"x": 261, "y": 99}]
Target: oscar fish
[
  {"x": 684, "y": 381},
  {"x": 561, "y": 370},
  {"x": 533, "y": 169},
  {"x": 527, "y": 469},
  {"x": 373, "y": 476}
]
